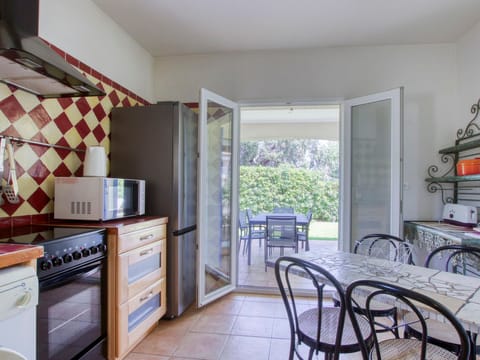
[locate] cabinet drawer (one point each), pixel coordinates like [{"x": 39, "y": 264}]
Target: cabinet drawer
[
  {"x": 139, "y": 268},
  {"x": 139, "y": 314},
  {"x": 138, "y": 238}
]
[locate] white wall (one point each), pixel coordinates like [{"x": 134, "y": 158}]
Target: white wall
[
  {"x": 468, "y": 53},
  {"x": 82, "y": 30},
  {"x": 428, "y": 73}
]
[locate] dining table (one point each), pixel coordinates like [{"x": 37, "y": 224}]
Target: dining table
[
  {"x": 260, "y": 220},
  {"x": 459, "y": 293}
]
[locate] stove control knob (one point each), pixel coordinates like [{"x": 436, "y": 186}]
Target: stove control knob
[
  {"x": 85, "y": 252},
  {"x": 57, "y": 261},
  {"x": 93, "y": 250},
  {"x": 76, "y": 255},
  {"x": 45, "y": 265},
  {"x": 102, "y": 247},
  {"x": 67, "y": 258}
]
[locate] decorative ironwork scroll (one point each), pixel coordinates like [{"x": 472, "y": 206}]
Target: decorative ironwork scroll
[
  {"x": 433, "y": 170},
  {"x": 472, "y": 127},
  {"x": 433, "y": 187}
]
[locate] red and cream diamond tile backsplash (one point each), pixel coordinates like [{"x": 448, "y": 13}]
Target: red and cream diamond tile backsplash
[{"x": 72, "y": 122}]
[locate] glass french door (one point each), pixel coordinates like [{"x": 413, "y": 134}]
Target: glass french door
[
  {"x": 371, "y": 185},
  {"x": 218, "y": 197}
]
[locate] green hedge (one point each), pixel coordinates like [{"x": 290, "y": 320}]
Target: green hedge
[{"x": 263, "y": 188}]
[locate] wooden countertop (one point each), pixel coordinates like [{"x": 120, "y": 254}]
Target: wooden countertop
[
  {"x": 119, "y": 225},
  {"x": 13, "y": 254}
]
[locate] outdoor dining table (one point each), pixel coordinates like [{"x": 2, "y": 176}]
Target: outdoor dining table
[
  {"x": 260, "y": 220},
  {"x": 459, "y": 293}
]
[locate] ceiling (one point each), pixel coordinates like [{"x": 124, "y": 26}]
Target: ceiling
[{"x": 185, "y": 27}]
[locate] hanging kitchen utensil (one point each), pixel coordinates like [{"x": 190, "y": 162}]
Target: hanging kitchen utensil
[
  {"x": 2, "y": 158},
  {"x": 11, "y": 188}
]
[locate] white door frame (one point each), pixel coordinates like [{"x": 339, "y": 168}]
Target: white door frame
[
  {"x": 202, "y": 297},
  {"x": 396, "y": 138}
]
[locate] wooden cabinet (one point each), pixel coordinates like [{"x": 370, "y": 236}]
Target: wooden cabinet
[
  {"x": 137, "y": 282},
  {"x": 137, "y": 297}
]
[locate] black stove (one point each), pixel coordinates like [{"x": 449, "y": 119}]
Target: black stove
[{"x": 64, "y": 248}]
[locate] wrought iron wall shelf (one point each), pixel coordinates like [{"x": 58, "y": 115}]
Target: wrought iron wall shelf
[
  {"x": 453, "y": 187},
  {"x": 454, "y": 179}
]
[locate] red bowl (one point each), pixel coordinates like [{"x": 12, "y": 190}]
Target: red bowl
[{"x": 468, "y": 167}]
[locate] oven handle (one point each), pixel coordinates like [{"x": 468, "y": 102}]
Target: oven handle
[{"x": 69, "y": 276}]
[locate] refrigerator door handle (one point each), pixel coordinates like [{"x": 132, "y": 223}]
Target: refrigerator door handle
[{"x": 184, "y": 230}]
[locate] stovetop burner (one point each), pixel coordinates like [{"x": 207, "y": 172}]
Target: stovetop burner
[
  {"x": 64, "y": 248},
  {"x": 38, "y": 234}
]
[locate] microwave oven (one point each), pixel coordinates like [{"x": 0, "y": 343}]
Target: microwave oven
[{"x": 98, "y": 198}]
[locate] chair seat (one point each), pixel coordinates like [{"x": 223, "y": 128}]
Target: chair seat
[
  {"x": 409, "y": 349},
  {"x": 436, "y": 329},
  {"x": 308, "y": 322}
]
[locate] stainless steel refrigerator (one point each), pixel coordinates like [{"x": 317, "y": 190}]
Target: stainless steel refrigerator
[{"x": 158, "y": 143}]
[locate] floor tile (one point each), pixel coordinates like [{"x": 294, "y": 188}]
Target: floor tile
[
  {"x": 246, "y": 347},
  {"x": 201, "y": 346},
  {"x": 253, "y": 326},
  {"x": 158, "y": 344},
  {"x": 214, "y": 323},
  {"x": 140, "y": 356}
]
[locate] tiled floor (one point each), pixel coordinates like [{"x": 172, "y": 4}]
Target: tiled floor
[
  {"x": 239, "y": 326},
  {"x": 254, "y": 275}
]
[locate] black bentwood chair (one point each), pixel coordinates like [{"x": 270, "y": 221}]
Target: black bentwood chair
[
  {"x": 388, "y": 247},
  {"x": 321, "y": 328},
  {"x": 418, "y": 304},
  {"x": 459, "y": 259}
]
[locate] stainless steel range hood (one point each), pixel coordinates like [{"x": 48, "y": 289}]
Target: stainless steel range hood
[{"x": 27, "y": 62}]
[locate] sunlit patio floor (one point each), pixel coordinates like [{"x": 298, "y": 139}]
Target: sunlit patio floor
[{"x": 254, "y": 275}]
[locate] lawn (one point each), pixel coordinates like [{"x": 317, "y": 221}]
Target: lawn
[{"x": 320, "y": 230}]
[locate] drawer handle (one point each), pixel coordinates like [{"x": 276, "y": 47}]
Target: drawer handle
[
  {"x": 146, "y": 237},
  {"x": 146, "y": 252},
  {"x": 147, "y": 297}
]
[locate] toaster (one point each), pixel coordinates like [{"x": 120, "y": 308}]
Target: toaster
[{"x": 460, "y": 214}]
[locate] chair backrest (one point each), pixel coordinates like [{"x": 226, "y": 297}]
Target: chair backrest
[
  {"x": 242, "y": 219},
  {"x": 283, "y": 210},
  {"x": 416, "y": 303},
  {"x": 309, "y": 215},
  {"x": 281, "y": 229},
  {"x": 384, "y": 246},
  {"x": 459, "y": 259},
  {"x": 249, "y": 214},
  {"x": 286, "y": 269}
]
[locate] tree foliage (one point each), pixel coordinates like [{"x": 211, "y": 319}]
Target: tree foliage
[
  {"x": 262, "y": 188},
  {"x": 302, "y": 173},
  {"x": 310, "y": 154}
]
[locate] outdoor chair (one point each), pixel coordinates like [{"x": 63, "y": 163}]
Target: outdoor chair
[
  {"x": 302, "y": 233},
  {"x": 283, "y": 210},
  {"x": 459, "y": 259},
  {"x": 256, "y": 232},
  {"x": 243, "y": 231},
  {"x": 319, "y": 327},
  {"x": 419, "y": 306},
  {"x": 388, "y": 247},
  {"x": 281, "y": 233}
]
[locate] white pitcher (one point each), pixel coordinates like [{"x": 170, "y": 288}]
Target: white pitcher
[{"x": 95, "y": 161}]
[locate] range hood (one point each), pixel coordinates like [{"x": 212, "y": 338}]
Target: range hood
[{"x": 28, "y": 63}]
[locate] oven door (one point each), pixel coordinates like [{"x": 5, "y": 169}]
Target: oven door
[{"x": 71, "y": 314}]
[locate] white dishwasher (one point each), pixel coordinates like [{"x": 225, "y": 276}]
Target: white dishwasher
[{"x": 18, "y": 302}]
